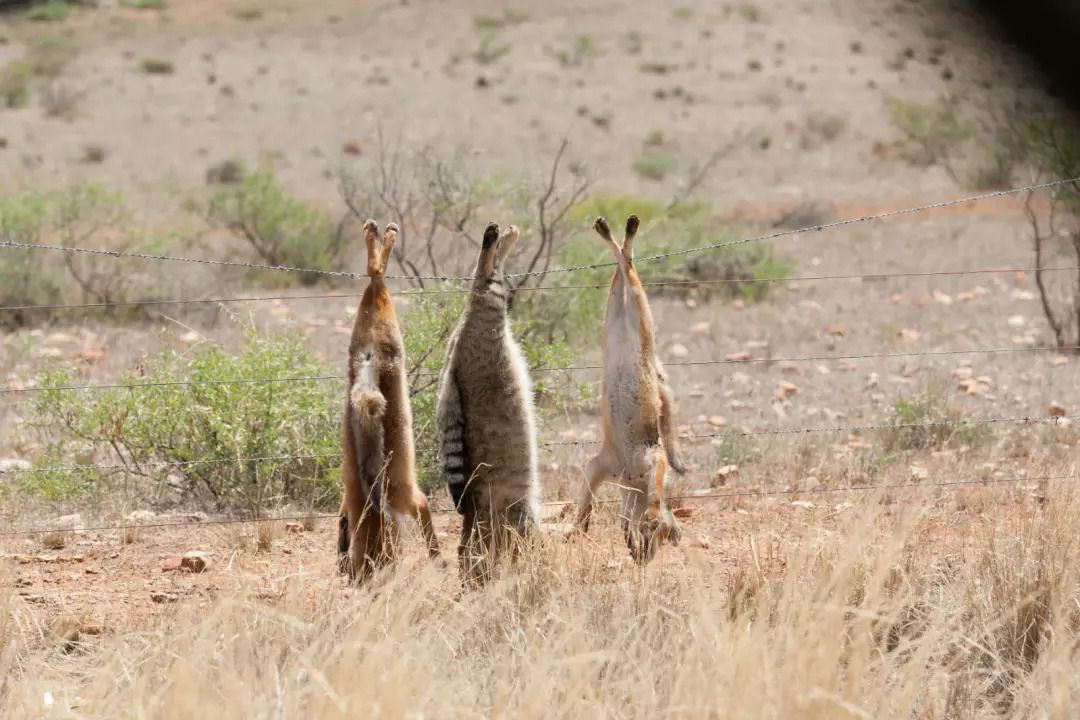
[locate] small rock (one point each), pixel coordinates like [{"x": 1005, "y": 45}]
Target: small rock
[
  {"x": 1017, "y": 321},
  {"x": 191, "y": 336},
  {"x": 741, "y": 356},
  {"x": 702, "y": 328},
  {"x": 717, "y": 420},
  {"x": 91, "y": 354},
  {"x": 171, "y": 563},
  {"x": 835, "y": 330},
  {"x": 804, "y": 504},
  {"x": 785, "y": 390},
  {"x": 1022, "y": 295},
  {"x": 8, "y": 465},
  {"x": 909, "y": 335},
  {"x": 919, "y": 473},
  {"x": 1056, "y": 361},
  {"x": 942, "y": 298},
  {"x": 788, "y": 367},
  {"x": 725, "y": 473},
  {"x": 164, "y": 597},
  {"x": 701, "y": 541},
  {"x": 1057, "y": 410},
  {"x": 678, "y": 350},
  {"x": 195, "y": 561},
  {"x": 691, "y": 303}
]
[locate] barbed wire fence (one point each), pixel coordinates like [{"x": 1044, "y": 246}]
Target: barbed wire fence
[{"x": 1053, "y": 420}]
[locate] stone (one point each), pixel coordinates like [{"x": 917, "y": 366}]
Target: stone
[
  {"x": 10, "y": 465},
  {"x": 195, "y": 561}
]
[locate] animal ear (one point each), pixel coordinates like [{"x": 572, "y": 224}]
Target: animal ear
[
  {"x": 507, "y": 242},
  {"x": 389, "y": 238},
  {"x": 632, "y": 224},
  {"x": 371, "y": 237}
]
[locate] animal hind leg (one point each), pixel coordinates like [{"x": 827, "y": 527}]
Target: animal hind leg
[
  {"x": 632, "y": 224},
  {"x": 417, "y": 507},
  {"x": 599, "y": 469}
]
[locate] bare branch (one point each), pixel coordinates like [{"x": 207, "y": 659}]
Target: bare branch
[{"x": 698, "y": 175}]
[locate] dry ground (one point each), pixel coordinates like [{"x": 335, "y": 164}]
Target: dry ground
[{"x": 769, "y": 608}]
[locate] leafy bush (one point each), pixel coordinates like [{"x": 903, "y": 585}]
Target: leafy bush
[
  {"x": 157, "y": 66},
  {"x": 82, "y": 215},
  {"x": 575, "y": 315},
  {"x": 280, "y": 228},
  {"x": 49, "y": 11},
  {"x": 213, "y": 427},
  {"x": 926, "y": 421},
  {"x": 24, "y": 277},
  {"x": 44, "y": 60},
  {"x": 655, "y": 162},
  {"x": 932, "y": 133}
]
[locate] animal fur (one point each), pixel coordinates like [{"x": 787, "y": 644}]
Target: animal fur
[
  {"x": 637, "y": 411},
  {"x": 378, "y": 468},
  {"x": 487, "y": 433}
]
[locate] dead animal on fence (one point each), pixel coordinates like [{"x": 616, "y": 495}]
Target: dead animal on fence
[
  {"x": 487, "y": 434},
  {"x": 378, "y": 467},
  {"x": 637, "y": 411}
]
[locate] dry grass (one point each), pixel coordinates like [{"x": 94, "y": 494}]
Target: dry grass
[{"x": 881, "y": 610}]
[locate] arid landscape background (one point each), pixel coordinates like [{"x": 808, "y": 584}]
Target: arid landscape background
[{"x": 879, "y": 515}]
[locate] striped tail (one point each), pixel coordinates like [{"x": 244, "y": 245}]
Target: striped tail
[{"x": 452, "y": 455}]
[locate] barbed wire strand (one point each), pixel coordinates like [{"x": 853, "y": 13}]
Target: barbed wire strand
[
  {"x": 552, "y": 271},
  {"x": 834, "y": 429},
  {"x": 867, "y": 277},
  {"x": 815, "y": 228},
  {"x": 699, "y": 497},
  {"x": 568, "y": 368}
]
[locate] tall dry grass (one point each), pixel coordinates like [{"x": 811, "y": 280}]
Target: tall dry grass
[{"x": 901, "y": 607}]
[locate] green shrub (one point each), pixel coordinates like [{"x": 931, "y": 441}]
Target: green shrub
[
  {"x": 932, "y": 133},
  {"x": 582, "y": 49},
  {"x": 156, "y": 66},
  {"x": 44, "y": 60},
  {"x": 491, "y": 23},
  {"x": 152, "y": 431},
  {"x": 655, "y": 162},
  {"x": 926, "y": 421},
  {"x": 25, "y": 279},
  {"x": 575, "y": 315},
  {"x": 49, "y": 11},
  {"x": 280, "y": 228}
]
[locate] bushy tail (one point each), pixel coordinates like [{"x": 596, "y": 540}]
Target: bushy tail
[{"x": 452, "y": 454}]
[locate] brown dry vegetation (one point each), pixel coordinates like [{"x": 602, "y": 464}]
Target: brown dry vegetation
[{"x": 815, "y": 599}]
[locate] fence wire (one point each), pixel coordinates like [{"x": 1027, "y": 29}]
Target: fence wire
[
  {"x": 675, "y": 499},
  {"x": 10, "y": 244},
  {"x": 568, "y": 368},
  {"x": 865, "y": 277}
]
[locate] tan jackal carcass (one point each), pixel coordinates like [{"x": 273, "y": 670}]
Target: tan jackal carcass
[
  {"x": 487, "y": 434},
  {"x": 378, "y": 469},
  {"x": 636, "y": 408}
]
